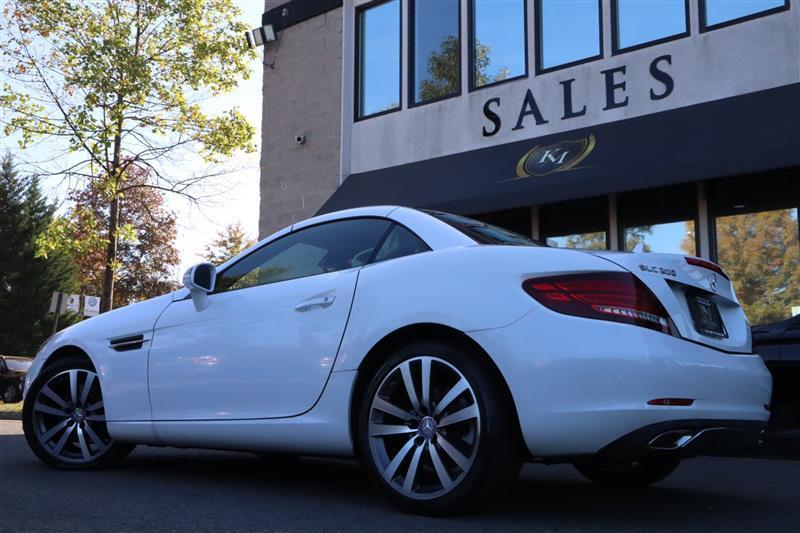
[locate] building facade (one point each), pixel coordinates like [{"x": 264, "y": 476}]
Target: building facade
[{"x": 593, "y": 123}]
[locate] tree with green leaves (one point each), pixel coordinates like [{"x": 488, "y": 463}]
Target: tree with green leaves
[
  {"x": 118, "y": 83},
  {"x": 761, "y": 254},
  {"x": 27, "y": 281},
  {"x": 147, "y": 256},
  {"x": 228, "y": 243}
]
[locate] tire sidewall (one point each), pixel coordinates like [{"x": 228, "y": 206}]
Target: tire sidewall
[
  {"x": 115, "y": 450},
  {"x": 494, "y": 456}
]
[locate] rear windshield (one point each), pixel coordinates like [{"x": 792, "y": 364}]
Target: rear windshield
[{"x": 483, "y": 233}]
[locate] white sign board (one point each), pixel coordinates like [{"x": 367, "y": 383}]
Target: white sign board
[
  {"x": 74, "y": 303},
  {"x": 91, "y": 306}
]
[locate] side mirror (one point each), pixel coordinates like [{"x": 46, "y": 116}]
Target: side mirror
[{"x": 200, "y": 280}]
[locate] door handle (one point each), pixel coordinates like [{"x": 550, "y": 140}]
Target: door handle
[{"x": 322, "y": 302}]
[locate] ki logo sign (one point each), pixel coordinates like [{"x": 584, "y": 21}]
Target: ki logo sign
[{"x": 558, "y": 157}]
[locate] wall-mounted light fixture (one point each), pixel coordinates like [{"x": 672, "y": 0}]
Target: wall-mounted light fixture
[{"x": 260, "y": 36}]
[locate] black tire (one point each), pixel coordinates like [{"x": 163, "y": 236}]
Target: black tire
[
  {"x": 496, "y": 459},
  {"x": 628, "y": 474},
  {"x": 113, "y": 453},
  {"x": 12, "y": 393}
]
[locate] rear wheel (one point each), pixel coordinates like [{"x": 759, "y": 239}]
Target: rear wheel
[
  {"x": 628, "y": 474},
  {"x": 435, "y": 431},
  {"x": 64, "y": 418}
]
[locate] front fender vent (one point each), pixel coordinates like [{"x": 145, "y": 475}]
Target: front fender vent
[{"x": 125, "y": 344}]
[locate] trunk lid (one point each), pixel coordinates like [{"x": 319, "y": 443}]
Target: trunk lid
[{"x": 696, "y": 298}]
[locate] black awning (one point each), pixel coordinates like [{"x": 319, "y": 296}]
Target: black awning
[{"x": 742, "y": 134}]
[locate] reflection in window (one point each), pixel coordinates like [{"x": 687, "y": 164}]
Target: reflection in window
[
  {"x": 641, "y": 22},
  {"x": 569, "y": 31},
  {"x": 587, "y": 241},
  {"x": 761, "y": 254},
  {"x": 670, "y": 238},
  {"x": 498, "y": 40},
  {"x": 378, "y": 58},
  {"x": 436, "y": 50},
  {"x": 720, "y": 11}
]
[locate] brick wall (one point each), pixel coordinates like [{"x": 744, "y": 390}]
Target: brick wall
[{"x": 302, "y": 96}]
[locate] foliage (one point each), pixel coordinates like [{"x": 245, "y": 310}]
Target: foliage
[
  {"x": 444, "y": 68},
  {"x": 229, "y": 242},
  {"x": 761, "y": 254},
  {"x": 27, "y": 281},
  {"x": 147, "y": 256},
  {"x": 118, "y": 83}
]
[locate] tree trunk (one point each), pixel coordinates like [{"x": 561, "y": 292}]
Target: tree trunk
[{"x": 107, "y": 303}]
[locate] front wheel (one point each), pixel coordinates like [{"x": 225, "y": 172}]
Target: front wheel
[
  {"x": 628, "y": 474},
  {"x": 435, "y": 429},
  {"x": 63, "y": 418}
]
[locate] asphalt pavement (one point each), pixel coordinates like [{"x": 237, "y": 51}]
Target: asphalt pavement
[{"x": 162, "y": 489}]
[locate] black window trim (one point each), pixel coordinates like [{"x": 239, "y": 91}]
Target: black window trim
[
  {"x": 411, "y": 63},
  {"x": 616, "y": 50},
  {"x": 704, "y": 28},
  {"x": 472, "y": 87},
  {"x": 358, "y": 67},
  {"x": 540, "y": 44}
]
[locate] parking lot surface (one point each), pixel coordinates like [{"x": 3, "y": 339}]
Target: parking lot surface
[{"x": 176, "y": 490}]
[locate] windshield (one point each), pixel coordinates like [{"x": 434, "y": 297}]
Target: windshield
[{"x": 483, "y": 233}]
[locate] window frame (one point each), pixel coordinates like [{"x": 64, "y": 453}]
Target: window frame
[
  {"x": 617, "y": 50},
  {"x": 411, "y": 59},
  {"x": 704, "y": 27},
  {"x": 472, "y": 87},
  {"x": 539, "y": 68},
  {"x": 358, "y": 63}
]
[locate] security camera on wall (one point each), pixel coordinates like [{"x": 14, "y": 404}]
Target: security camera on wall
[{"x": 300, "y": 139}]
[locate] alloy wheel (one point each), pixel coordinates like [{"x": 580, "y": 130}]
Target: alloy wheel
[
  {"x": 69, "y": 418},
  {"x": 424, "y": 427}
]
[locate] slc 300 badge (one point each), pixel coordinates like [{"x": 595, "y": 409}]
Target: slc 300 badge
[{"x": 658, "y": 270}]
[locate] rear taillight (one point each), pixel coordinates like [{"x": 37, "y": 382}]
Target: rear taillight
[
  {"x": 702, "y": 263},
  {"x": 615, "y": 296}
]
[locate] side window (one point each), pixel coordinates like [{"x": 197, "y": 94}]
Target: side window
[
  {"x": 398, "y": 243},
  {"x": 310, "y": 251}
]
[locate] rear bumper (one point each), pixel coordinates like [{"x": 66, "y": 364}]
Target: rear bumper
[
  {"x": 580, "y": 385},
  {"x": 688, "y": 438}
]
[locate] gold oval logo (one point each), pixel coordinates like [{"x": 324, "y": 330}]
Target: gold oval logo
[{"x": 558, "y": 157}]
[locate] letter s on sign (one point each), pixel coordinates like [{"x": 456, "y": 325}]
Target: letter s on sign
[
  {"x": 662, "y": 76},
  {"x": 493, "y": 117}
]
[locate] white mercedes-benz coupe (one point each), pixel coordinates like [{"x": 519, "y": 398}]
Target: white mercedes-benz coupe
[{"x": 441, "y": 351}]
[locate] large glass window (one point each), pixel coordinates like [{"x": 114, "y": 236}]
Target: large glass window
[
  {"x": 498, "y": 41},
  {"x": 435, "y": 50},
  {"x": 569, "y": 32},
  {"x": 720, "y": 12},
  {"x": 577, "y": 224},
  {"x": 378, "y": 58},
  {"x": 639, "y": 22},
  {"x": 662, "y": 220},
  {"x": 756, "y": 241},
  {"x": 315, "y": 250}
]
